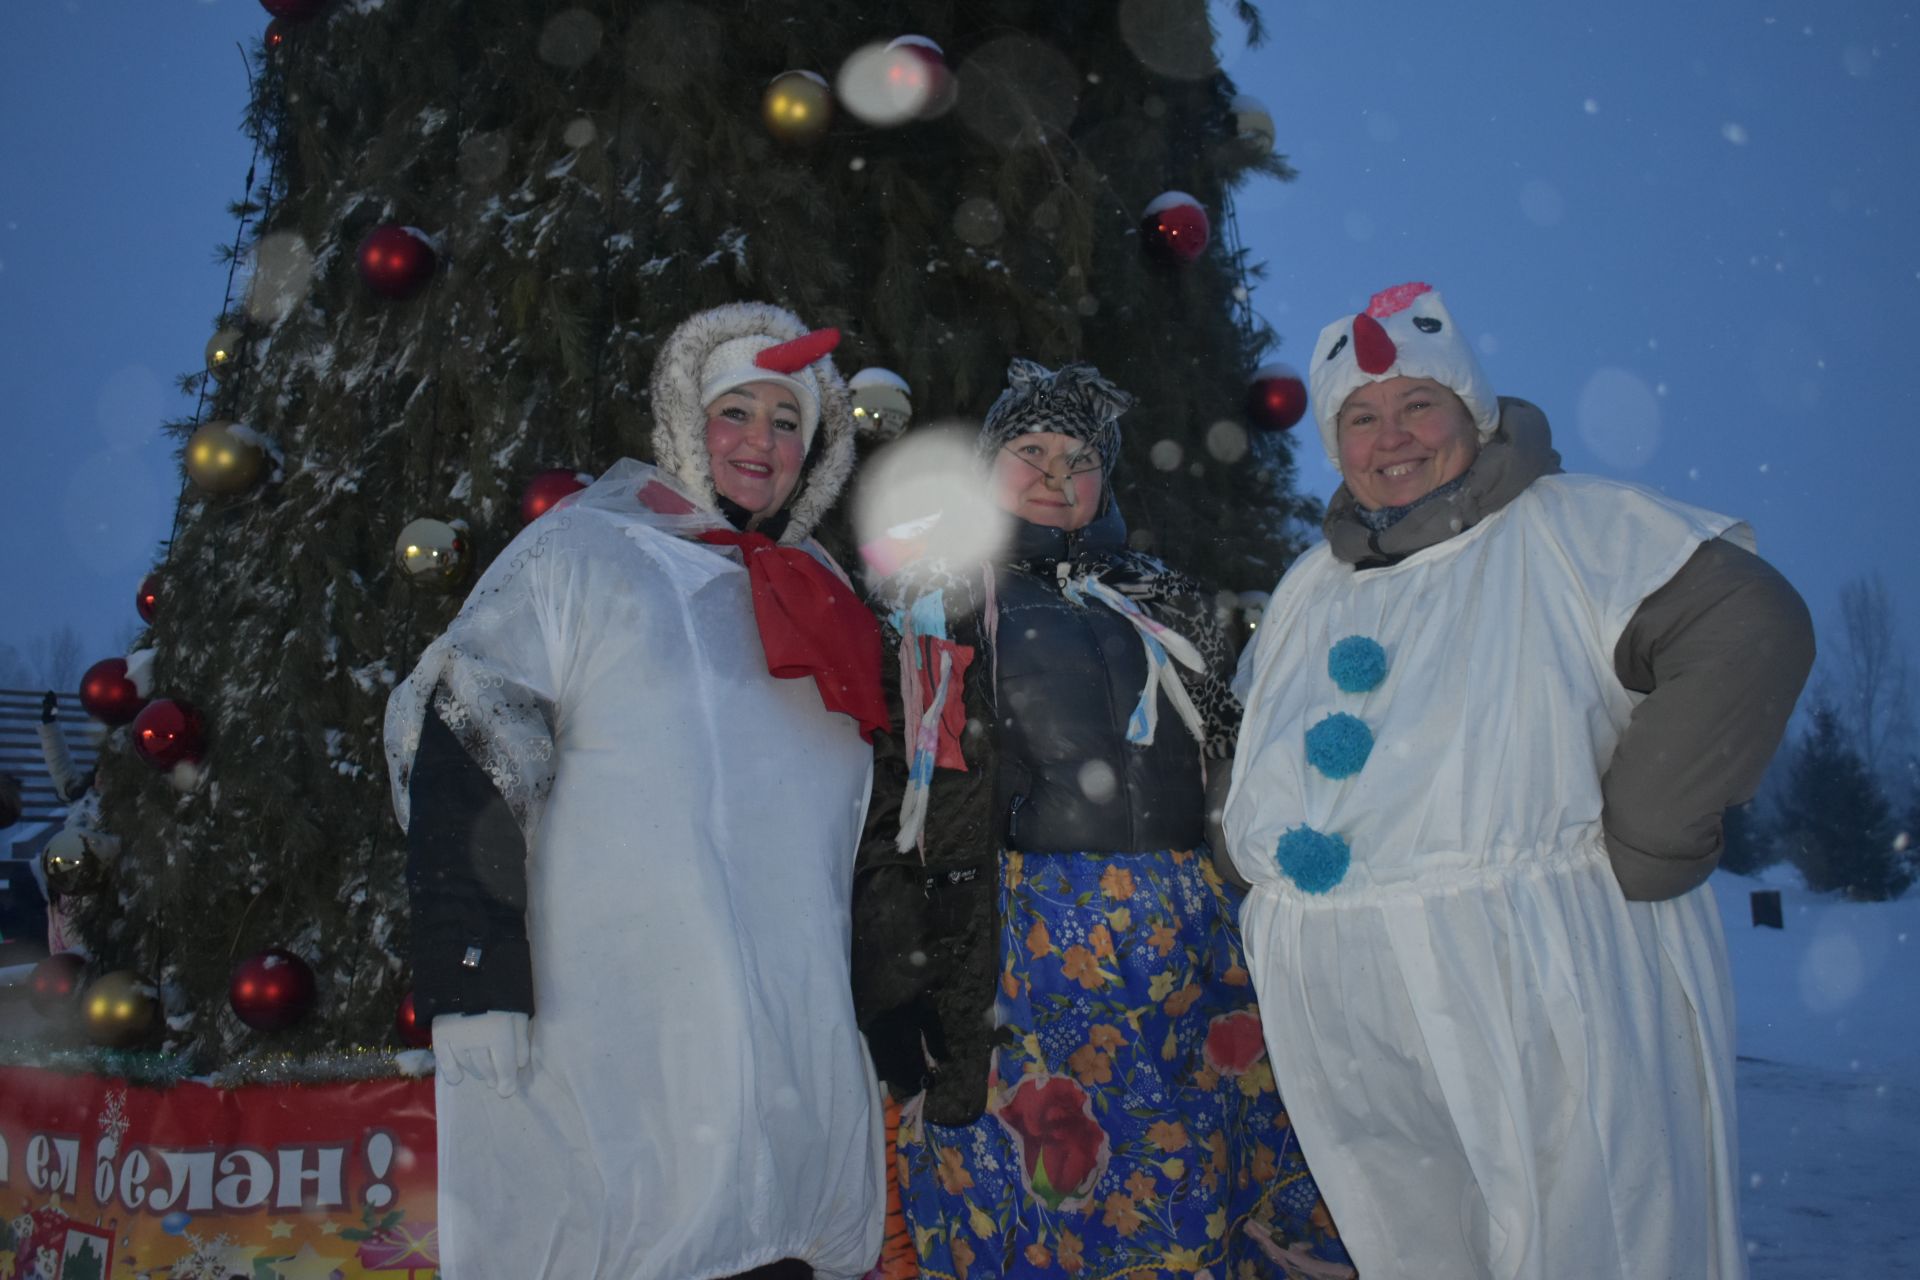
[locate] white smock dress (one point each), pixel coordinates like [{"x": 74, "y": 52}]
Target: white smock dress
[
  {"x": 1497, "y": 1065},
  {"x": 699, "y": 1102}
]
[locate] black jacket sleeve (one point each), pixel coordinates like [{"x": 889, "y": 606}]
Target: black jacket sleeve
[
  {"x": 1721, "y": 653},
  {"x": 467, "y": 883}
]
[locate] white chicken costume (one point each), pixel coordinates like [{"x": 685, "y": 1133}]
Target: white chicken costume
[
  {"x": 1486, "y": 1049},
  {"x": 699, "y": 1101}
]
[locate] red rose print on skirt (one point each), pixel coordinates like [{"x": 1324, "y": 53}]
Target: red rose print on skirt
[
  {"x": 1063, "y": 1149},
  {"x": 1234, "y": 1042}
]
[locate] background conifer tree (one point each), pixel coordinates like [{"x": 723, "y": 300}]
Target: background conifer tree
[
  {"x": 589, "y": 174},
  {"x": 1835, "y": 820}
]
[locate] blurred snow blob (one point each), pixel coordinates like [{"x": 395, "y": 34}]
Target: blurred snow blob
[
  {"x": 282, "y": 270},
  {"x": 1358, "y": 226},
  {"x": 570, "y": 38},
  {"x": 1166, "y": 455},
  {"x": 579, "y": 133},
  {"x": 1735, "y": 133},
  {"x": 1619, "y": 418},
  {"x": 483, "y": 158},
  {"x": 1848, "y": 948},
  {"x": 1017, "y": 91},
  {"x": 1227, "y": 441},
  {"x": 885, "y": 85},
  {"x": 927, "y": 494},
  {"x": 978, "y": 221},
  {"x": 1382, "y": 127},
  {"x": 1170, "y": 37},
  {"x": 1097, "y": 781},
  {"x": 1542, "y": 203}
]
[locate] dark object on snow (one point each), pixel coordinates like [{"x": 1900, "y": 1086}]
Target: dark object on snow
[
  {"x": 1766, "y": 909},
  {"x": 9, "y": 800}
]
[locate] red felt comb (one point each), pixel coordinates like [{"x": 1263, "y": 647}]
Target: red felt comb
[
  {"x": 792, "y": 357},
  {"x": 1397, "y": 299}
]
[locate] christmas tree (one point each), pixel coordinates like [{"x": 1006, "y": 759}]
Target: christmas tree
[
  {"x": 1838, "y": 826},
  {"x": 470, "y": 228}
]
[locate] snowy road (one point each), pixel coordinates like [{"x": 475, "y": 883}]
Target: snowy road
[{"x": 1831, "y": 1161}]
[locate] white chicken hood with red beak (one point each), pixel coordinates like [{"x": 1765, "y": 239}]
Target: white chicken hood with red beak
[{"x": 1405, "y": 332}]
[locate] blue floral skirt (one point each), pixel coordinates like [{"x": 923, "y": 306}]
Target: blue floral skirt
[{"x": 1132, "y": 1125}]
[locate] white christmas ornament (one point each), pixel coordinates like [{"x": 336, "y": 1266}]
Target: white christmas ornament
[
  {"x": 882, "y": 402},
  {"x": 1252, "y": 122}
]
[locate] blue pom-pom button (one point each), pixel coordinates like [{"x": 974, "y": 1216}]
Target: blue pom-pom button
[
  {"x": 1339, "y": 745},
  {"x": 1312, "y": 859},
  {"x": 1357, "y": 664}
]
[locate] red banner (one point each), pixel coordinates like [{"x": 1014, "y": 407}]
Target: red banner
[{"x": 103, "y": 1180}]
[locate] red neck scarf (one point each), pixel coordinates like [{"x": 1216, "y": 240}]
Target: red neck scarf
[{"x": 813, "y": 624}]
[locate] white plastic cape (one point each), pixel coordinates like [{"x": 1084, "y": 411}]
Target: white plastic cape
[
  {"x": 699, "y": 1101},
  {"x": 1497, "y": 1065}
]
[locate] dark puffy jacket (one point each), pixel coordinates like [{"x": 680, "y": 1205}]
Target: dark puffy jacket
[{"x": 1049, "y": 769}]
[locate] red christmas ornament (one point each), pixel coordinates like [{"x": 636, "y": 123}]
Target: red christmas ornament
[
  {"x": 1276, "y": 398},
  {"x": 1175, "y": 228},
  {"x": 272, "y": 991},
  {"x": 395, "y": 261},
  {"x": 547, "y": 488},
  {"x": 169, "y": 732},
  {"x": 55, "y": 983},
  {"x": 276, "y": 35},
  {"x": 293, "y": 10},
  {"x": 935, "y": 78},
  {"x": 108, "y": 695},
  {"x": 414, "y": 1033},
  {"x": 148, "y": 600}
]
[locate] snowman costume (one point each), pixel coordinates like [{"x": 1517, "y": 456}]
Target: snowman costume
[
  {"x": 1503, "y": 1026},
  {"x": 658, "y": 1074}
]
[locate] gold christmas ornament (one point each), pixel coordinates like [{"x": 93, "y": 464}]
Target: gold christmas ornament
[
  {"x": 882, "y": 402},
  {"x": 72, "y": 867},
  {"x": 432, "y": 553},
  {"x": 223, "y": 352},
  {"x": 120, "y": 1009},
  {"x": 798, "y": 106},
  {"x": 225, "y": 458}
]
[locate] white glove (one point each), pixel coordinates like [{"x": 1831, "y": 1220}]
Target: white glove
[{"x": 491, "y": 1047}]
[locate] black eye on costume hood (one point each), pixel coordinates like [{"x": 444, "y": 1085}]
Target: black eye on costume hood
[
  {"x": 1426, "y": 324},
  {"x": 1337, "y": 347}
]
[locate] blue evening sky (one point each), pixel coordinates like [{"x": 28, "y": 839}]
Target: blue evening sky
[{"x": 1689, "y": 231}]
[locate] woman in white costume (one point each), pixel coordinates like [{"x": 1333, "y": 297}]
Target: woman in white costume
[
  {"x": 1491, "y": 726},
  {"x": 632, "y": 819}
]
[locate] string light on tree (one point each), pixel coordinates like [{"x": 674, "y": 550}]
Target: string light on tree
[
  {"x": 882, "y": 402},
  {"x": 147, "y": 599},
  {"x": 225, "y": 458},
  {"x": 1175, "y": 228},
  {"x": 275, "y": 37},
  {"x": 798, "y": 106},
  {"x": 395, "y": 261},
  {"x": 547, "y": 488},
  {"x": 108, "y": 694},
  {"x": 271, "y": 991},
  {"x": 432, "y": 552},
  {"x": 120, "y": 1009},
  {"x": 168, "y": 733},
  {"x": 1276, "y": 398}
]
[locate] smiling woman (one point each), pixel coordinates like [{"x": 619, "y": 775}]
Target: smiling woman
[{"x": 755, "y": 447}]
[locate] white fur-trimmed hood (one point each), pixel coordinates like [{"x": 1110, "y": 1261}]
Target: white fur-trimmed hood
[{"x": 680, "y": 419}]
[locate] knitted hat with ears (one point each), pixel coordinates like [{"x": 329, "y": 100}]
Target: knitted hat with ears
[
  {"x": 714, "y": 351},
  {"x": 1405, "y": 332},
  {"x": 1073, "y": 400}
]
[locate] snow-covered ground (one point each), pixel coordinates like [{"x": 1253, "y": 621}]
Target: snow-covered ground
[{"x": 1829, "y": 1081}]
